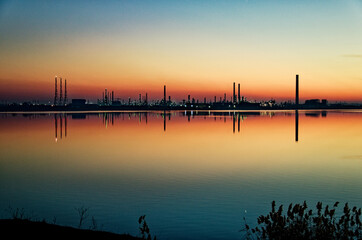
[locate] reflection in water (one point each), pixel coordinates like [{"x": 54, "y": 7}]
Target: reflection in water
[
  {"x": 296, "y": 125},
  {"x": 164, "y": 121},
  {"x": 316, "y": 114},
  {"x": 61, "y": 116},
  {"x": 65, "y": 125},
  {"x": 108, "y": 118},
  {"x": 56, "y": 127},
  {"x": 237, "y": 115},
  {"x": 61, "y": 126}
]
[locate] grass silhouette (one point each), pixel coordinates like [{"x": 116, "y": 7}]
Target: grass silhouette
[{"x": 299, "y": 222}]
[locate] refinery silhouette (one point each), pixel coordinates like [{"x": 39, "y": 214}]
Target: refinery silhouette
[{"x": 109, "y": 102}]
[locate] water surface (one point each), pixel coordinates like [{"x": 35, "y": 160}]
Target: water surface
[{"x": 194, "y": 174}]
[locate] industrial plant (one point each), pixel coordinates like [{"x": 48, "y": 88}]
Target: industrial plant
[
  {"x": 60, "y": 101},
  {"x": 109, "y": 101}
]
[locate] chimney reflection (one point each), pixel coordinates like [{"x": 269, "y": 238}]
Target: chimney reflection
[
  {"x": 61, "y": 116},
  {"x": 61, "y": 126},
  {"x": 65, "y": 125},
  {"x": 296, "y": 125},
  {"x": 56, "y": 127},
  {"x": 164, "y": 121},
  {"x": 234, "y": 123}
]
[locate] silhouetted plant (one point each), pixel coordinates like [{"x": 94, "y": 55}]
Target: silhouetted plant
[
  {"x": 83, "y": 215},
  {"x": 300, "y": 223},
  {"x": 54, "y": 220},
  {"x": 94, "y": 225},
  {"x": 144, "y": 229},
  {"x": 17, "y": 213}
]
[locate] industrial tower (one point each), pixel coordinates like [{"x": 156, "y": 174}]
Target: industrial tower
[{"x": 56, "y": 92}]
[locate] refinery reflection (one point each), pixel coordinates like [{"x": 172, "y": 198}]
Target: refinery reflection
[
  {"x": 109, "y": 119},
  {"x": 61, "y": 117}
]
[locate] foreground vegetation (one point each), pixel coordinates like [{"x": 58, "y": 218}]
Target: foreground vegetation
[{"x": 299, "y": 222}]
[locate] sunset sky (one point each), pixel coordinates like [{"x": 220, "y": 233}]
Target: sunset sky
[{"x": 193, "y": 47}]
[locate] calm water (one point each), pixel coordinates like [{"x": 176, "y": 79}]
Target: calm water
[{"x": 195, "y": 175}]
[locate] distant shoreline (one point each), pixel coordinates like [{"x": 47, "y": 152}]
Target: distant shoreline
[{"x": 94, "y": 107}]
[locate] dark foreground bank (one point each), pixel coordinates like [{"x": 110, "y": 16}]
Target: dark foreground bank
[{"x": 25, "y": 229}]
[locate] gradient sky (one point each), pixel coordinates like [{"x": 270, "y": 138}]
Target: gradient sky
[{"x": 194, "y": 47}]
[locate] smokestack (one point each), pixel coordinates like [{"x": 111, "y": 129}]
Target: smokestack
[
  {"x": 60, "y": 92},
  {"x": 105, "y": 96},
  {"x": 297, "y": 91},
  {"x": 164, "y": 94},
  {"x": 169, "y": 98},
  {"x": 65, "y": 92},
  {"x": 238, "y": 92},
  {"x": 188, "y": 98},
  {"x": 56, "y": 92},
  {"x": 234, "y": 98},
  {"x": 112, "y": 97},
  {"x": 146, "y": 104}
]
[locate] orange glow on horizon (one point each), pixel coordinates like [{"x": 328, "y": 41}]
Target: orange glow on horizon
[{"x": 27, "y": 90}]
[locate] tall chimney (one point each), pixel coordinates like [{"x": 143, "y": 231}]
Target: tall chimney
[
  {"x": 65, "y": 92},
  {"x": 238, "y": 92},
  {"x": 56, "y": 92},
  {"x": 297, "y": 91},
  {"x": 112, "y": 97},
  {"x": 60, "y": 92},
  {"x": 146, "y": 104},
  {"x": 234, "y": 99},
  {"x": 164, "y": 94}
]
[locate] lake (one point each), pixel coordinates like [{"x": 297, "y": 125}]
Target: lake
[{"x": 194, "y": 174}]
